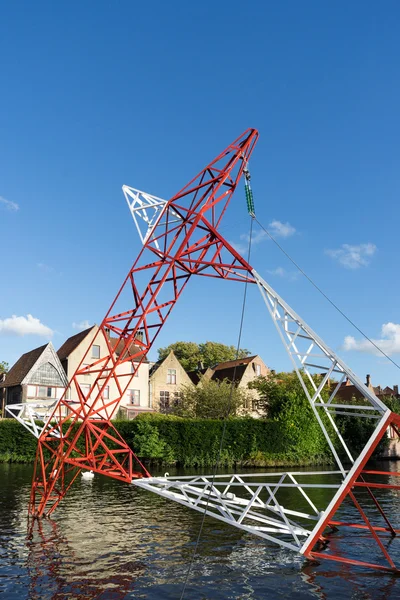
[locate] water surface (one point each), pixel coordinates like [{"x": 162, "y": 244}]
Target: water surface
[{"x": 108, "y": 540}]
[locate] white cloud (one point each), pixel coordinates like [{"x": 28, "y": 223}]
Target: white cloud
[
  {"x": 281, "y": 272},
  {"x": 279, "y": 229},
  {"x": 82, "y": 325},
  {"x": 389, "y": 342},
  {"x": 8, "y": 204},
  {"x": 45, "y": 268},
  {"x": 275, "y": 228},
  {"x": 24, "y": 326},
  {"x": 353, "y": 257}
]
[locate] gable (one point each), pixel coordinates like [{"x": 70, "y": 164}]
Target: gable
[
  {"x": 47, "y": 370},
  {"x": 160, "y": 370}
]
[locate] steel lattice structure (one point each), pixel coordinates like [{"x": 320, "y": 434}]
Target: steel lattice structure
[{"x": 180, "y": 239}]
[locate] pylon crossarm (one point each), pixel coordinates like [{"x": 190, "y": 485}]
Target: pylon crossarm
[
  {"x": 33, "y": 416},
  {"x": 254, "y": 503},
  {"x": 305, "y": 348}
]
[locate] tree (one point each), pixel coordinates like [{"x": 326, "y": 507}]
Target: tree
[
  {"x": 282, "y": 398},
  {"x": 4, "y": 366},
  {"x": 208, "y": 354},
  {"x": 210, "y": 400}
]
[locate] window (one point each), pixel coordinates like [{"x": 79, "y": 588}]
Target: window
[
  {"x": 95, "y": 351},
  {"x": 85, "y": 389},
  {"x": 133, "y": 367},
  {"x": 257, "y": 369},
  {"x": 177, "y": 398},
  {"x": 171, "y": 376},
  {"x": 133, "y": 397},
  {"x": 46, "y": 392},
  {"x": 106, "y": 392},
  {"x": 164, "y": 401}
]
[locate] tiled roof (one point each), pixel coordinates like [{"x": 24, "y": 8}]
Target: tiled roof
[
  {"x": 195, "y": 376},
  {"x": 230, "y": 373},
  {"x": 73, "y": 342},
  {"x": 118, "y": 346},
  {"x": 22, "y": 367},
  {"x": 232, "y": 363}
]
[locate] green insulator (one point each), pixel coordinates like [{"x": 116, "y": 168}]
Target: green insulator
[{"x": 249, "y": 199}]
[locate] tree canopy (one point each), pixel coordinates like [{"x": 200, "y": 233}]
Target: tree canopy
[
  {"x": 4, "y": 366},
  {"x": 282, "y": 399},
  {"x": 210, "y": 400},
  {"x": 191, "y": 354}
]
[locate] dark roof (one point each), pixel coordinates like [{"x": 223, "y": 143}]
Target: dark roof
[
  {"x": 195, "y": 376},
  {"x": 22, "y": 367},
  {"x": 72, "y": 342},
  {"x": 230, "y": 373},
  {"x": 118, "y": 346},
  {"x": 232, "y": 363}
]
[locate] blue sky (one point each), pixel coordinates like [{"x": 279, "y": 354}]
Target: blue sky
[{"x": 95, "y": 95}]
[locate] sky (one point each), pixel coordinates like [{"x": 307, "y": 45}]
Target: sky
[{"x": 95, "y": 95}]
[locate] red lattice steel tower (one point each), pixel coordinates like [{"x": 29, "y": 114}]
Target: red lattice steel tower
[
  {"x": 182, "y": 240},
  {"x": 79, "y": 433}
]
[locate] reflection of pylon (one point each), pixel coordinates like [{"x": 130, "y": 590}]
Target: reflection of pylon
[
  {"x": 183, "y": 240},
  {"x": 48, "y": 553}
]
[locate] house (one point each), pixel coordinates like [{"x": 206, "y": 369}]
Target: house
[
  {"x": 2, "y": 394},
  {"x": 242, "y": 371},
  {"x": 347, "y": 390},
  {"x": 166, "y": 379},
  {"x": 135, "y": 399},
  {"x": 36, "y": 377}
]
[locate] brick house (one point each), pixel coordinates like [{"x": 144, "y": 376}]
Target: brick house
[
  {"x": 166, "y": 378},
  {"x": 242, "y": 371},
  {"x": 347, "y": 391},
  {"x": 36, "y": 377}
]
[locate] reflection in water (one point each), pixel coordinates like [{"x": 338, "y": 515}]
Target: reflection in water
[
  {"x": 50, "y": 555},
  {"x": 109, "y": 540}
]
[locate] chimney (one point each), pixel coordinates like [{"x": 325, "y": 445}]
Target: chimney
[
  {"x": 368, "y": 382},
  {"x": 139, "y": 336},
  {"x": 107, "y": 331},
  {"x": 396, "y": 390},
  {"x": 347, "y": 382}
]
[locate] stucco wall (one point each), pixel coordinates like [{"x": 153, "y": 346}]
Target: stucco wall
[
  {"x": 158, "y": 380},
  {"x": 249, "y": 375},
  {"x": 123, "y": 373}
]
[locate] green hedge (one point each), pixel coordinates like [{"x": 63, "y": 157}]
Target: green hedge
[
  {"x": 16, "y": 443},
  {"x": 195, "y": 442}
]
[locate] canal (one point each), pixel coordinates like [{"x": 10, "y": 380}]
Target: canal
[{"x": 111, "y": 541}]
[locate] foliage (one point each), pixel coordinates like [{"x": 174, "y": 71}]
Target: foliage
[
  {"x": 210, "y": 400},
  {"x": 190, "y": 442},
  {"x": 357, "y": 430},
  {"x": 16, "y": 443},
  {"x": 282, "y": 399},
  {"x": 209, "y": 354},
  {"x": 4, "y": 366},
  {"x": 148, "y": 444}
]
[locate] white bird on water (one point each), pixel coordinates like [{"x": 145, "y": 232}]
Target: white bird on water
[{"x": 87, "y": 475}]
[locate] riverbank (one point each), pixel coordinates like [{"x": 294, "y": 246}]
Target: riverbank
[{"x": 168, "y": 440}]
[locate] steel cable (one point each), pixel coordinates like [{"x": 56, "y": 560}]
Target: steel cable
[{"x": 324, "y": 295}]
